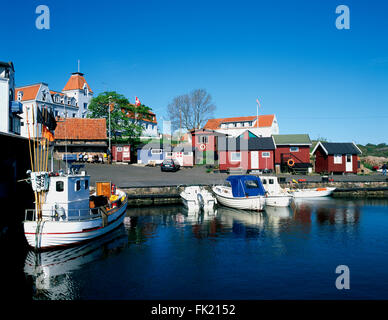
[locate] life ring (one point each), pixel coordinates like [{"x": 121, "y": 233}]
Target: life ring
[
  {"x": 290, "y": 162},
  {"x": 202, "y": 147}
]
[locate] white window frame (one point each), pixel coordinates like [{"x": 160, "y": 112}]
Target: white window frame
[
  {"x": 265, "y": 154},
  {"x": 233, "y": 156},
  {"x": 337, "y": 159},
  {"x": 169, "y": 154},
  {"x": 294, "y": 149},
  {"x": 156, "y": 151}
]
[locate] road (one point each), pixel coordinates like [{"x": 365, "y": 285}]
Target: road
[{"x": 126, "y": 176}]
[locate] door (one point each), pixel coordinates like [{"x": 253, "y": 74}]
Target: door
[
  {"x": 119, "y": 154},
  {"x": 349, "y": 163},
  {"x": 254, "y": 160}
]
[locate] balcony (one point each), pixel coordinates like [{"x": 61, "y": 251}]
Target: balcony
[{"x": 16, "y": 107}]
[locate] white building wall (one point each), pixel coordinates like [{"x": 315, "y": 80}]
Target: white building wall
[
  {"x": 83, "y": 98},
  {"x": 4, "y": 105}
]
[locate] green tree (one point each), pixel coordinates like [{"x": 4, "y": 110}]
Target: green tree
[{"x": 125, "y": 118}]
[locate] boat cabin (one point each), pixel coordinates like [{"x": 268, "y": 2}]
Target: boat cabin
[
  {"x": 67, "y": 197},
  {"x": 246, "y": 186},
  {"x": 271, "y": 184}
]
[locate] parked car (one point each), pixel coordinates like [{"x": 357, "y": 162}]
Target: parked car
[{"x": 169, "y": 165}]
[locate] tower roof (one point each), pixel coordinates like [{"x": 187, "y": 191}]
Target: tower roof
[{"x": 76, "y": 82}]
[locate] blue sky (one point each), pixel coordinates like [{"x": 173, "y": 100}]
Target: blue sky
[{"x": 317, "y": 79}]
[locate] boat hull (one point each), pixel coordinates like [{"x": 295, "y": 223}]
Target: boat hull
[
  {"x": 50, "y": 234},
  {"x": 305, "y": 193},
  {"x": 250, "y": 203},
  {"x": 278, "y": 201}
]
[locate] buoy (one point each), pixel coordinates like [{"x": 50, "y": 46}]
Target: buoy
[
  {"x": 202, "y": 147},
  {"x": 290, "y": 162}
]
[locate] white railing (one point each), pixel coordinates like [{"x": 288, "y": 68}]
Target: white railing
[{"x": 60, "y": 214}]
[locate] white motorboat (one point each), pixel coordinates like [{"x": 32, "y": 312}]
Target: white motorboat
[
  {"x": 312, "y": 193},
  {"x": 276, "y": 196},
  {"x": 241, "y": 192},
  {"x": 66, "y": 214},
  {"x": 197, "y": 198}
]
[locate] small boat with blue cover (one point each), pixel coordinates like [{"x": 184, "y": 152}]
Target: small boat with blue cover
[{"x": 241, "y": 192}]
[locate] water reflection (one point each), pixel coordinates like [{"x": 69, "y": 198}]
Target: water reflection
[
  {"x": 51, "y": 271},
  {"x": 329, "y": 211},
  {"x": 169, "y": 232}
]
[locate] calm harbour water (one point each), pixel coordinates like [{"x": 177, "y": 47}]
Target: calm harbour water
[{"x": 164, "y": 253}]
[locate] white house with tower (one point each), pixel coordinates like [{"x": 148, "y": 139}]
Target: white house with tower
[{"x": 71, "y": 102}]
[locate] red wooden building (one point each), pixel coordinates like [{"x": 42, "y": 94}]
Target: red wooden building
[
  {"x": 247, "y": 152},
  {"x": 336, "y": 157},
  {"x": 121, "y": 153},
  {"x": 292, "y": 152},
  {"x": 205, "y": 144}
]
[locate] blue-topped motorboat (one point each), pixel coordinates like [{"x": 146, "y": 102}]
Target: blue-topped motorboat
[{"x": 241, "y": 192}]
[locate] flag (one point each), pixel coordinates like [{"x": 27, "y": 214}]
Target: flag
[
  {"x": 137, "y": 102},
  {"x": 46, "y": 118},
  {"x": 111, "y": 106},
  {"x": 46, "y": 133},
  {"x": 257, "y": 100}
]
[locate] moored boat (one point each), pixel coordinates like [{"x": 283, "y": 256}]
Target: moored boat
[
  {"x": 68, "y": 215},
  {"x": 241, "y": 192},
  {"x": 196, "y": 198},
  {"x": 276, "y": 196},
  {"x": 312, "y": 193}
]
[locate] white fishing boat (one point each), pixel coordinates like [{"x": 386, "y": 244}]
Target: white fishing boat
[
  {"x": 241, "y": 192},
  {"x": 312, "y": 193},
  {"x": 276, "y": 196},
  {"x": 196, "y": 198},
  {"x": 67, "y": 214}
]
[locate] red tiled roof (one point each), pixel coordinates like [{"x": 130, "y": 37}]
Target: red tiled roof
[
  {"x": 56, "y": 92},
  {"x": 264, "y": 121},
  {"x": 76, "y": 81},
  {"x": 29, "y": 92},
  {"x": 80, "y": 129}
]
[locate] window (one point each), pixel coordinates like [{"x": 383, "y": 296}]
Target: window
[
  {"x": 246, "y": 124},
  {"x": 265, "y": 154},
  {"x": 169, "y": 154},
  {"x": 73, "y": 115},
  {"x": 270, "y": 181},
  {"x": 235, "y": 156},
  {"x": 156, "y": 151},
  {"x": 264, "y": 181},
  {"x": 86, "y": 184},
  {"x": 294, "y": 149},
  {"x": 251, "y": 184},
  {"x": 187, "y": 153},
  {"x": 223, "y": 125},
  {"x": 348, "y": 158},
  {"x": 338, "y": 158},
  {"x": 85, "y": 105},
  {"x": 202, "y": 139},
  {"x": 20, "y": 95},
  {"x": 78, "y": 185},
  {"x": 59, "y": 186}
]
